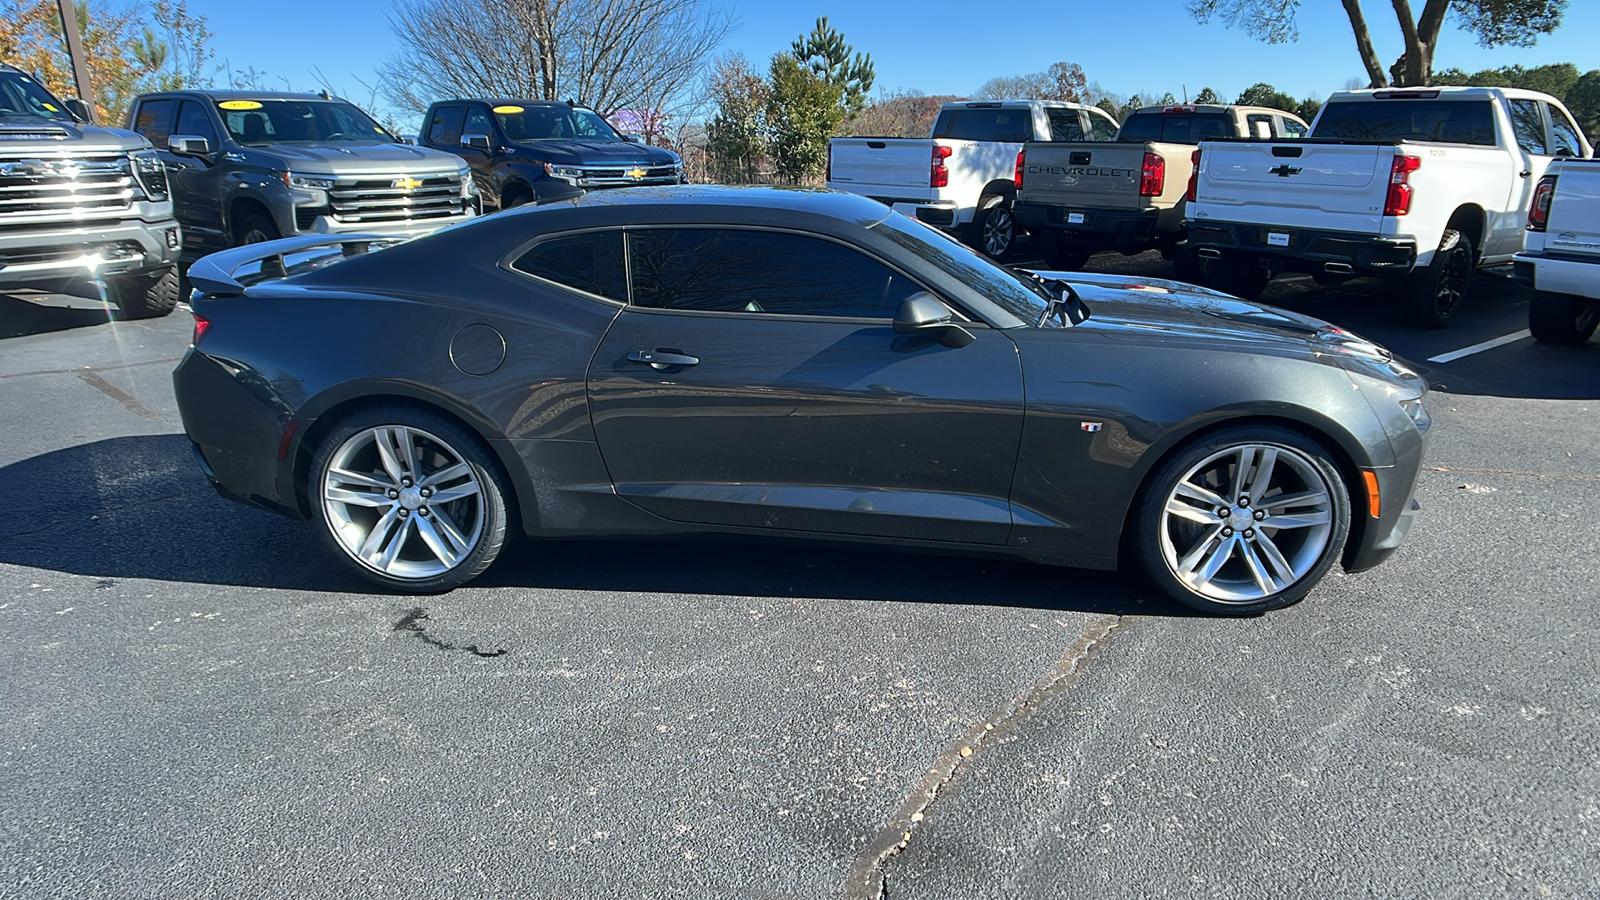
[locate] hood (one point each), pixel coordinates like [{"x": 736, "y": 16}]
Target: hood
[
  {"x": 348, "y": 158},
  {"x": 31, "y": 134},
  {"x": 598, "y": 153}
]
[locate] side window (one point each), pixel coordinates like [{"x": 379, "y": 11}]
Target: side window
[
  {"x": 1064, "y": 125},
  {"x": 445, "y": 126},
  {"x": 1258, "y": 125},
  {"x": 478, "y": 122},
  {"x": 1293, "y": 129},
  {"x": 590, "y": 262},
  {"x": 1101, "y": 128},
  {"x": 1528, "y": 125},
  {"x": 193, "y": 121},
  {"x": 1564, "y": 140},
  {"x": 760, "y": 272},
  {"x": 154, "y": 120}
]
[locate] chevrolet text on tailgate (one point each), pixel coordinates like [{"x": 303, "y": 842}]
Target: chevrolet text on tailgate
[
  {"x": 1562, "y": 257},
  {"x": 963, "y": 178},
  {"x": 1417, "y": 186}
]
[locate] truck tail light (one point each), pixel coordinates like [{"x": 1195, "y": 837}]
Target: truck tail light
[
  {"x": 201, "y": 326},
  {"x": 939, "y": 176},
  {"x": 1398, "y": 202},
  {"x": 1017, "y": 178},
  {"x": 1539, "y": 210},
  {"x": 1153, "y": 178},
  {"x": 1194, "y": 177}
]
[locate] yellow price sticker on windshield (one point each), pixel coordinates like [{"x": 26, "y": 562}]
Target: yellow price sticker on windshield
[
  {"x": 51, "y": 107},
  {"x": 508, "y": 110},
  {"x": 238, "y": 104}
]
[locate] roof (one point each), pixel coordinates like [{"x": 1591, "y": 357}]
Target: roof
[
  {"x": 239, "y": 95},
  {"x": 837, "y": 205},
  {"x": 1445, "y": 91},
  {"x": 511, "y": 101}
]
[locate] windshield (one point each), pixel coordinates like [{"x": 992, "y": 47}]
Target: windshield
[
  {"x": 1017, "y": 293},
  {"x": 23, "y": 98},
  {"x": 299, "y": 122},
  {"x": 1400, "y": 119},
  {"x": 552, "y": 123}
]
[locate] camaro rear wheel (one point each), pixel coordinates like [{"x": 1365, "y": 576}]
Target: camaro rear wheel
[
  {"x": 1244, "y": 521},
  {"x": 411, "y": 498}
]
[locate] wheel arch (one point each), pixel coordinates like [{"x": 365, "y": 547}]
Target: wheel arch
[
  {"x": 1473, "y": 223},
  {"x": 999, "y": 188},
  {"x": 242, "y": 207}
]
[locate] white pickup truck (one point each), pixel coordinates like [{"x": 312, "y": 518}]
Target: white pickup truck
[
  {"x": 1420, "y": 186},
  {"x": 1561, "y": 259},
  {"x": 963, "y": 177}
]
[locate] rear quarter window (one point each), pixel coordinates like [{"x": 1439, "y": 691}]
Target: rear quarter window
[
  {"x": 1436, "y": 121},
  {"x": 589, "y": 261},
  {"x": 1176, "y": 128}
]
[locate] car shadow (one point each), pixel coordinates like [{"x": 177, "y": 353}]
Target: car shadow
[
  {"x": 138, "y": 507},
  {"x": 25, "y": 314}
]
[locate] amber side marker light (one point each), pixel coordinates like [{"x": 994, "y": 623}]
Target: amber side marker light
[{"x": 1373, "y": 500}]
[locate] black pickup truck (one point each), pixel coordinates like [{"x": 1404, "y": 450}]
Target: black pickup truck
[{"x": 524, "y": 150}]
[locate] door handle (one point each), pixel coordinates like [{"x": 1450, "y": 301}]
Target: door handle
[
  {"x": 1527, "y": 174},
  {"x": 662, "y": 360}
]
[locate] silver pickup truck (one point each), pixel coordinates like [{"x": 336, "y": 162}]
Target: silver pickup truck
[
  {"x": 1561, "y": 255},
  {"x": 80, "y": 204}
]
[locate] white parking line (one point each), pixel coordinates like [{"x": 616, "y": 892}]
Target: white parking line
[{"x": 1501, "y": 341}]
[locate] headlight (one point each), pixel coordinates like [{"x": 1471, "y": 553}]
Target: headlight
[
  {"x": 1418, "y": 413},
  {"x": 151, "y": 174},
  {"x": 469, "y": 188},
  {"x": 309, "y": 182},
  {"x": 566, "y": 173}
]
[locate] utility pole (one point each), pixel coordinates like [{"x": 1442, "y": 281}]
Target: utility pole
[{"x": 80, "y": 65}]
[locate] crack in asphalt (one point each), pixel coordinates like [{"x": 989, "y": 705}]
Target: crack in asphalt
[
  {"x": 111, "y": 368},
  {"x": 867, "y": 879},
  {"x": 133, "y": 403},
  {"x": 1469, "y": 470},
  {"x": 412, "y": 622}
]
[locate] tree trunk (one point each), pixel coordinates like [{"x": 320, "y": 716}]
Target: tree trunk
[{"x": 1369, "y": 56}]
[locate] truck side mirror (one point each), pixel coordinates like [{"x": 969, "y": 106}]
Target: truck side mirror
[
  {"x": 633, "y": 138},
  {"x": 189, "y": 145},
  {"x": 476, "y": 142},
  {"x": 79, "y": 109}
]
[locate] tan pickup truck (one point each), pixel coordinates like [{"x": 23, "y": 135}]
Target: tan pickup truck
[{"x": 1128, "y": 195}]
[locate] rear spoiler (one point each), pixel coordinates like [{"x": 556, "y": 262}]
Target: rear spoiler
[{"x": 214, "y": 274}]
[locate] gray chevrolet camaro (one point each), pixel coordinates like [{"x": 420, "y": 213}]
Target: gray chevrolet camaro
[{"x": 794, "y": 364}]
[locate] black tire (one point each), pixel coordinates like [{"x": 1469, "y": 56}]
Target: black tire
[
  {"x": 254, "y": 229},
  {"x": 1246, "y": 282},
  {"x": 993, "y": 230},
  {"x": 145, "y": 295},
  {"x": 1185, "y": 265},
  {"x": 1062, "y": 253},
  {"x": 1431, "y": 296},
  {"x": 515, "y": 196},
  {"x": 439, "y": 440},
  {"x": 1301, "y": 466},
  {"x": 1562, "y": 318}
]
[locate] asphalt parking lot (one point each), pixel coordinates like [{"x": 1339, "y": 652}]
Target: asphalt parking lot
[{"x": 200, "y": 704}]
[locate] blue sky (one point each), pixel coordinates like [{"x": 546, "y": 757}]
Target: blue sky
[{"x": 938, "y": 46}]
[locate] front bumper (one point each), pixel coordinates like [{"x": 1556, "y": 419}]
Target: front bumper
[
  {"x": 54, "y": 253},
  {"x": 1558, "y": 273},
  {"x": 1305, "y": 250},
  {"x": 325, "y": 224}
]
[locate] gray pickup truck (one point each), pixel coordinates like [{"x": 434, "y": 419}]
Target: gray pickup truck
[
  {"x": 256, "y": 166},
  {"x": 1128, "y": 194},
  {"x": 81, "y": 204}
]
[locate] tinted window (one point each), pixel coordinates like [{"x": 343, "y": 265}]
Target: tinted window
[
  {"x": 478, "y": 122},
  {"x": 1564, "y": 140},
  {"x": 590, "y": 262},
  {"x": 760, "y": 272},
  {"x": 959, "y": 261},
  {"x": 1012, "y": 126},
  {"x": 1064, "y": 125},
  {"x": 1176, "y": 128},
  {"x": 1293, "y": 129},
  {"x": 155, "y": 120},
  {"x": 445, "y": 126},
  {"x": 1527, "y": 123},
  {"x": 1439, "y": 121},
  {"x": 193, "y": 121},
  {"x": 1101, "y": 128},
  {"x": 288, "y": 121},
  {"x": 542, "y": 122},
  {"x": 22, "y": 97}
]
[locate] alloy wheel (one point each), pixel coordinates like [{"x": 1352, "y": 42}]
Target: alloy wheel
[
  {"x": 1247, "y": 523},
  {"x": 999, "y": 230},
  {"x": 1452, "y": 290},
  {"x": 402, "y": 502}
]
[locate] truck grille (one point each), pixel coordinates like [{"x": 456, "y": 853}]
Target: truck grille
[
  {"x": 67, "y": 186},
  {"x": 393, "y": 198},
  {"x": 624, "y": 176}
]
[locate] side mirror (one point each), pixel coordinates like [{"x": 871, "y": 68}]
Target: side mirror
[
  {"x": 633, "y": 138},
  {"x": 922, "y": 313},
  {"x": 189, "y": 145},
  {"x": 79, "y": 109},
  {"x": 476, "y": 142}
]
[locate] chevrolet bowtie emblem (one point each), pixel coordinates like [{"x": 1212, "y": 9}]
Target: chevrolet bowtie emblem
[
  {"x": 408, "y": 183},
  {"x": 1285, "y": 170},
  {"x": 636, "y": 173}
]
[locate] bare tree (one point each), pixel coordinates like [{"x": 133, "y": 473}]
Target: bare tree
[{"x": 609, "y": 55}]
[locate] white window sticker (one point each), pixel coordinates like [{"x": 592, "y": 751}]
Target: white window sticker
[
  {"x": 1074, "y": 218},
  {"x": 1277, "y": 239}
]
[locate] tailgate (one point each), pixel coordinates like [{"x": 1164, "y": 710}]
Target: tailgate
[
  {"x": 1329, "y": 187},
  {"x": 1574, "y": 223},
  {"x": 881, "y": 167},
  {"x": 1090, "y": 175}
]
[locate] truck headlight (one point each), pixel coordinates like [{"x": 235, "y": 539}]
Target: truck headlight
[
  {"x": 309, "y": 182},
  {"x": 469, "y": 188},
  {"x": 565, "y": 173},
  {"x": 151, "y": 174}
]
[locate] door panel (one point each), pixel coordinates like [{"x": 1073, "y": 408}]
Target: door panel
[
  {"x": 809, "y": 424},
  {"x": 196, "y": 184}
]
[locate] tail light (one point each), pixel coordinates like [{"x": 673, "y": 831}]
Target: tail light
[
  {"x": 1398, "y": 202},
  {"x": 1539, "y": 211},
  {"x": 827, "y": 170},
  {"x": 1017, "y": 178},
  {"x": 1153, "y": 178},
  {"x": 939, "y": 176},
  {"x": 1194, "y": 177},
  {"x": 201, "y": 326}
]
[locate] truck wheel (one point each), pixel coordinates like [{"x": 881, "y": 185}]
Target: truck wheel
[
  {"x": 256, "y": 228},
  {"x": 1062, "y": 253},
  {"x": 994, "y": 227},
  {"x": 1242, "y": 281},
  {"x": 1185, "y": 265},
  {"x": 144, "y": 295},
  {"x": 1562, "y": 318},
  {"x": 1432, "y": 296}
]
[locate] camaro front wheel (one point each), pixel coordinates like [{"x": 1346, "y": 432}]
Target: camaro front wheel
[
  {"x": 1243, "y": 521},
  {"x": 411, "y": 499}
]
